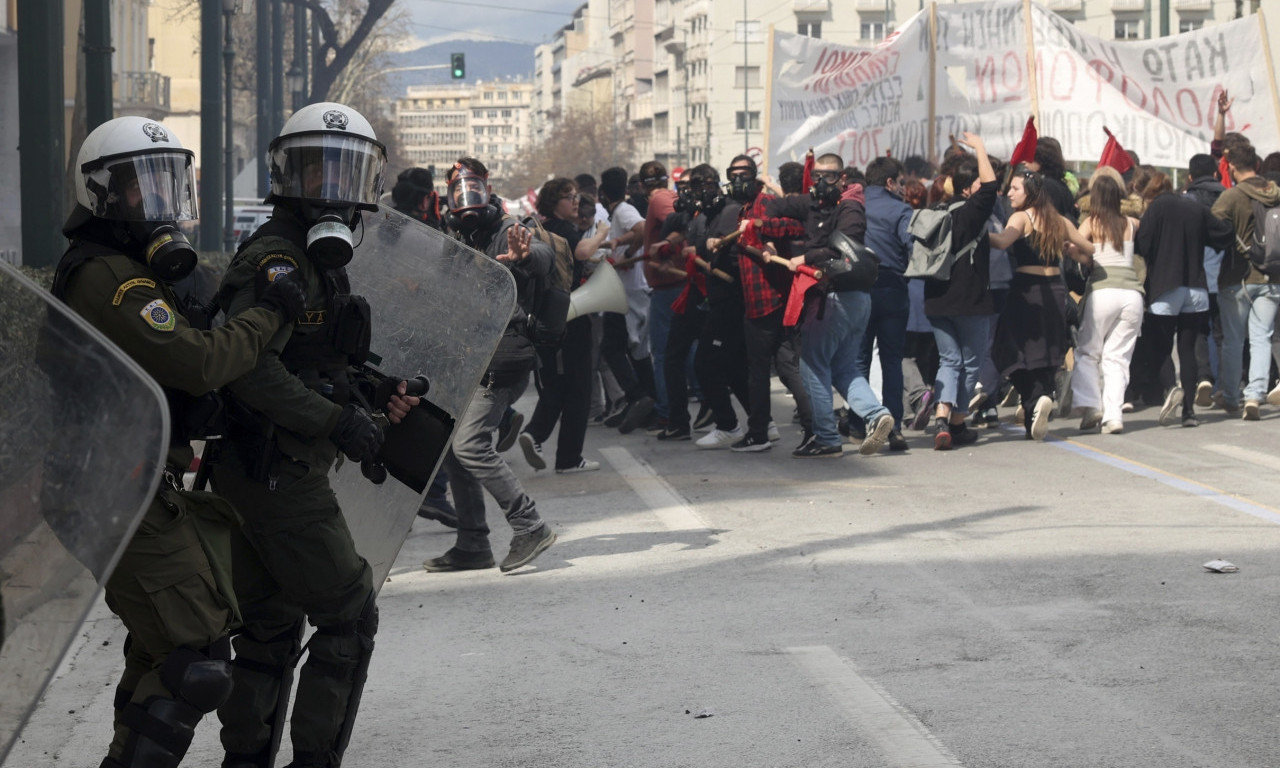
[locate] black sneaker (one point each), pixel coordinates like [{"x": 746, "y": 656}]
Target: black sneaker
[
  {"x": 897, "y": 442},
  {"x": 616, "y": 413},
  {"x": 532, "y": 451},
  {"x": 704, "y": 417},
  {"x": 635, "y": 414},
  {"x": 440, "y": 510},
  {"x": 509, "y": 428},
  {"x": 877, "y": 435},
  {"x": 526, "y": 546},
  {"x": 656, "y": 425},
  {"x": 1189, "y": 418},
  {"x": 962, "y": 435},
  {"x": 942, "y": 438},
  {"x": 458, "y": 560},
  {"x": 752, "y": 444},
  {"x": 812, "y": 449},
  {"x": 675, "y": 433}
]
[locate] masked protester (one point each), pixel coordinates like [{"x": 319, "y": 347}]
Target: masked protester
[
  {"x": 133, "y": 185},
  {"x": 288, "y": 419},
  {"x": 475, "y": 217},
  {"x": 765, "y": 289},
  {"x": 415, "y": 196}
]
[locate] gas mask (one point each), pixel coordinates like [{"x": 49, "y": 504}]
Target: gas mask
[
  {"x": 709, "y": 197},
  {"x": 826, "y": 189},
  {"x": 742, "y": 187},
  {"x": 685, "y": 202},
  {"x": 469, "y": 200},
  {"x": 329, "y": 241},
  {"x": 164, "y": 248}
]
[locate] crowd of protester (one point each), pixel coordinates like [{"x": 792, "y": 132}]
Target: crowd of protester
[{"x": 1067, "y": 297}]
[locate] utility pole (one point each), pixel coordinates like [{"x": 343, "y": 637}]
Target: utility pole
[
  {"x": 277, "y": 67},
  {"x": 97, "y": 62},
  {"x": 1164, "y": 18},
  {"x": 229, "y": 8},
  {"x": 263, "y": 122},
  {"x": 210, "y": 125},
  {"x": 298, "y": 70},
  {"x": 41, "y": 135},
  {"x": 746, "y": 100}
]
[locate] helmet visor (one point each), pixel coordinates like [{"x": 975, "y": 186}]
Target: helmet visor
[
  {"x": 328, "y": 169},
  {"x": 468, "y": 190},
  {"x": 157, "y": 186}
]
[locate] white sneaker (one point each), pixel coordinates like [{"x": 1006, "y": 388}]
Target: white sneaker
[
  {"x": 979, "y": 397},
  {"x": 719, "y": 438},
  {"x": 532, "y": 451},
  {"x": 1040, "y": 417},
  {"x": 877, "y": 436},
  {"x": 1273, "y": 397},
  {"x": 1112, "y": 427},
  {"x": 586, "y": 465},
  {"x": 774, "y": 435},
  {"x": 1204, "y": 394},
  {"x": 1171, "y": 403}
]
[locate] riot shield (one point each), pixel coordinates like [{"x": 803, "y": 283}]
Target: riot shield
[
  {"x": 438, "y": 311},
  {"x": 83, "y": 434}
]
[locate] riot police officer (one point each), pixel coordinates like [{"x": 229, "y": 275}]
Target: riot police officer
[
  {"x": 288, "y": 419},
  {"x": 171, "y": 589}
]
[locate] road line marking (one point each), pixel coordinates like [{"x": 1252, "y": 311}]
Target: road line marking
[
  {"x": 1244, "y": 454},
  {"x": 666, "y": 503},
  {"x": 1185, "y": 484},
  {"x": 901, "y": 737}
]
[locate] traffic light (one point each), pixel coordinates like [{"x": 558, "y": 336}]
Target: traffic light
[{"x": 458, "y": 65}]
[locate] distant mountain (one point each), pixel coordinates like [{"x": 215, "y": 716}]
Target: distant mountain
[{"x": 485, "y": 61}]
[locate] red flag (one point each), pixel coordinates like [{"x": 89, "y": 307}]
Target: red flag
[
  {"x": 1026, "y": 149},
  {"x": 807, "y": 180},
  {"x": 806, "y": 278},
  {"x": 1114, "y": 155}
]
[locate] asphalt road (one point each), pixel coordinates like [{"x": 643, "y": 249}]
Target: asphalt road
[{"x": 1009, "y": 604}]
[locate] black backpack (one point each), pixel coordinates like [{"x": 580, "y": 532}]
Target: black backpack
[
  {"x": 550, "y": 311},
  {"x": 1264, "y": 250}
]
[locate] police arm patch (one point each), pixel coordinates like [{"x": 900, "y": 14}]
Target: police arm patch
[
  {"x": 159, "y": 316},
  {"x": 276, "y": 265},
  {"x": 134, "y": 283}
]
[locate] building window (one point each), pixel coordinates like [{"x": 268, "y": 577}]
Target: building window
[
  {"x": 477, "y": 114},
  {"x": 506, "y": 113},
  {"x": 746, "y": 77},
  {"x": 809, "y": 28},
  {"x": 1190, "y": 25},
  {"x": 493, "y": 113},
  {"x": 872, "y": 30},
  {"x": 488, "y": 95},
  {"x": 1128, "y": 29},
  {"x": 747, "y": 121},
  {"x": 747, "y": 32}
]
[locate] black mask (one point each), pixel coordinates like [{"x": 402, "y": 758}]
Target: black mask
[
  {"x": 826, "y": 193},
  {"x": 164, "y": 249},
  {"x": 743, "y": 187},
  {"x": 329, "y": 241},
  {"x": 685, "y": 200},
  {"x": 709, "y": 198},
  {"x": 472, "y": 220}
]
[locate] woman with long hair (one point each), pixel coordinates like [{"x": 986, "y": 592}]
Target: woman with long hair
[
  {"x": 1112, "y": 315},
  {"x": 1031, "y": 338}
]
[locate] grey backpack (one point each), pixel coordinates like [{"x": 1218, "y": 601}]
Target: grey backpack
[
  {"x": 931, "y": 253},
  {"x": 1264, "y": 252}
]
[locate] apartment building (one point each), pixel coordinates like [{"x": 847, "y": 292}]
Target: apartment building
[
  {"x": 690, "y": 75},
  {"x": 437, "y": 124}
]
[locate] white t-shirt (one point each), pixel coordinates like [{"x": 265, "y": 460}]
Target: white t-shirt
[{"x": 625, "y": 217}]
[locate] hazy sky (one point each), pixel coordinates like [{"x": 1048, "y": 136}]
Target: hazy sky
[{"x": 440, "y": 20}]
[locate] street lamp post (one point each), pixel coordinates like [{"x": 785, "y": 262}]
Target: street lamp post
[
  {"x": 297, "y": 81},
  {"x": 229, "y": 9}
]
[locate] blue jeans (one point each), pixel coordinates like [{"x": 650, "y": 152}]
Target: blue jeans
[
  {"x": 660, "y": 315},
  {"x": 1247, "y": 309},
  {"x": 962, "y": 343},
  {"x": 829, "y": 350},
  {"x": 887, "y": 326}
]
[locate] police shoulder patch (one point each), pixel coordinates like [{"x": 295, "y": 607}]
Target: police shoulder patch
[
  {"x": 125, "y": 286},
  {"x": 159, "y": 316},
  {"x": 276, "y": 265}
]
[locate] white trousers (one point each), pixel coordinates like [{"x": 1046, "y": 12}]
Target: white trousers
[{"x": 1104, "y": 346}]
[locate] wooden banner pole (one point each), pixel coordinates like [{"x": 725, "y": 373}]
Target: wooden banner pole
[
  {"x": 1031, "y": 63},
  {"x": 1271, "y": 66}
]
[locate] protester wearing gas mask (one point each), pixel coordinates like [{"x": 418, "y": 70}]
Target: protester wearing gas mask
[
  {"x": 476, "y": 218},
  {"x": 287, "y": 420},
  {"x": 134, "y": 184},
  {"x": 415, "y": 196}
]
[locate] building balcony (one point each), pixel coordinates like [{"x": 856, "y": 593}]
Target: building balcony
[
  {"x": 1065, "y": 5},
  {"x": 859, "y": 5},
  {"x": 1125, "y": 6},
  {"x": 145, "y": 93},
  {"x": 642, "y": 109},
  {"x": 1193, "y": 5},
  {"x": 820, "y": 6}
]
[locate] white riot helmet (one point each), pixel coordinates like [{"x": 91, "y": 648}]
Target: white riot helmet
[
  {"x": 327, "y": 155},
  {"x": 134, "y": 169}
]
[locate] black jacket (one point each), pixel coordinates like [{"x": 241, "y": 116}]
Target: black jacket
[
  {"x": 967, "y": 292},
  {"x": 1171, "y": 238},
  {"x": 1205, "y": 190}
]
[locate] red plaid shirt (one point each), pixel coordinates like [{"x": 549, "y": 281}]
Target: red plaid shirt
[{"x": 764, "y": 289}]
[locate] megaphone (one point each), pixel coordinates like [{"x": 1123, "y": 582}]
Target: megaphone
[{"x": 603, "y": 292}]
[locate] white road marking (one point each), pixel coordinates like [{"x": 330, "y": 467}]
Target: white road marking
[
  {"x": 903, "y": 740},
  {"x": 1244, "y": 454},
  {"x": 666, "y": 503}
]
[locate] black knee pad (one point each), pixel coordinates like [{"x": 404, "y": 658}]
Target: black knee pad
[{"x": 196, "y": 679}]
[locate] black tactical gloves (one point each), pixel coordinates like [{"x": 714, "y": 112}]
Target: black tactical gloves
[
  {"x": 286, "y": 295},
  {"x": 356, "y": 434}
]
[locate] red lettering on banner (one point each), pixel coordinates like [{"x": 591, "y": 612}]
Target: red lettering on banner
[
  {"x": 859, "y": 148},
  {"x": 1188, "y": 102},
  {"x": 1016, "y": 87},
  {"x": 984, "y": 72},
  {"x": 1128, "y": 83},
  {"x": 1158, "y": 97},
  {"x": 1069, "y": 88},
  {"x": 1095, "y": 71}
]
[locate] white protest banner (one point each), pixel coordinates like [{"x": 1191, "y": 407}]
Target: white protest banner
[
  {"x": 1158, "y": 96},
  {"x": 852, "y": 101}
]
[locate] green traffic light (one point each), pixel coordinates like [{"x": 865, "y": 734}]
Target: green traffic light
[{"x": 458, "y": 65}]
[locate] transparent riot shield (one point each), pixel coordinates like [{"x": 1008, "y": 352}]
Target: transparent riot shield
[
  {"x": 83, "y": 433},
  {"x": 438, "y": 310}
]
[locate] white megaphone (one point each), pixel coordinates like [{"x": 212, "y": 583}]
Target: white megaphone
[{"x": 603, "y": 292}]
